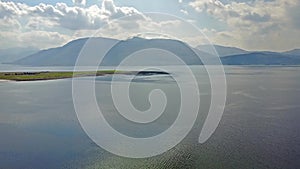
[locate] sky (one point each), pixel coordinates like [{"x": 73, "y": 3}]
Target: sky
[{"x": 272, "y": 25}]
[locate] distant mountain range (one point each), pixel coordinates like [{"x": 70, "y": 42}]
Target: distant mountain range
[
  {"x": 262, "y": 58},
  {"x": 293, "y": 52},
  {"x": 67, "y": 55},
  {"x": 222, "y": 50},
  {"x": 13, "y": 54},
  {"x": 61, "y": 56}
]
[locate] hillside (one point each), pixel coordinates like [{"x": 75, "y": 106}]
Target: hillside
[
  {"x": 261, "y": 58},
  {"x": 67, "y": 54},
  {"x": 146, "y": 52},
  {"x": 222, "y": 50}
]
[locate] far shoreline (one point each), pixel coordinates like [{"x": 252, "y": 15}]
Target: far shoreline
[{"x": 55, "y": 75}]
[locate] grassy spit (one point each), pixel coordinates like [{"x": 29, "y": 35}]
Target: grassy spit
[{"x": 47, "y": 75}]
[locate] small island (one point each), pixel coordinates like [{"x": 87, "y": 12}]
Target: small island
[{"x": 48, "y": 75}]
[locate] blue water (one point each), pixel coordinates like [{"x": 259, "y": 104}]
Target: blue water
[{"x": 259, "y": 128}]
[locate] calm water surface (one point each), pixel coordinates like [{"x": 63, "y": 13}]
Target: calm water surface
[{"x": 259, "y": 128}]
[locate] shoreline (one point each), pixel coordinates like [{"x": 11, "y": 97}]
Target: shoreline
[
  {"x": 2, "y": 80},
  {"x": 48, "y": 75}
]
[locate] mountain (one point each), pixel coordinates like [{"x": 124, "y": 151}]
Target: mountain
[
  {"x": 295, "y": 52},
  {"x": 151, "y": 52},
  {"x": 222, "y": 50},
  {"x": 62, "y": 56},
  {"x": 13, "y": 54},
  {"x": 261, "y": 58},
  {"x": 67, "y": 54}
]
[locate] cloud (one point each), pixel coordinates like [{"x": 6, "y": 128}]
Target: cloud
[
  {"x": 109, "y": 7},
  {"x": 40, "y": 39},
  {"x": 184, "y": 12},
  {"x": 128, "y": 27},
  {"x": 60, "y": 20},
  {"x": 45, "y": 25},
  {"x": 8, "y": 24},
  {"x": 79, "y": 2},
  {"x": 255, "y": 17},
  {"x": 256, "y": 11},
  {"x": 73, "y": 18},
  {"x": 259, "y": 24},
  {"x": 45, "y": 38},
  {"x": 293, "y": 15}
]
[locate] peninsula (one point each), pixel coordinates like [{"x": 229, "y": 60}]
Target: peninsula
[{"x": 49, "y": 75}]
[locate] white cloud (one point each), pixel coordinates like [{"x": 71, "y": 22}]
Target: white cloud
[
  {"x": 9, "y": 24},
  {"x": 45, "y": 26},
  {"x": 65, "y": 16},
  {"x": 253, "y": 25},
  {"x": 265, "y": 25},
  {"x": 40, "y": 39},
  {"x": 128, "y": 27},
  {"x": 256, "y": 11},
  {"x": 59, "y": 20},
  {"x": 184, "y": 12},
  {"x": 44, "y": 39},
  {"x": 79, "y": 2}
]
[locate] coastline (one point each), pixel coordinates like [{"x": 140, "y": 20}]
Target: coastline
[{"x": 47, "y": 75}]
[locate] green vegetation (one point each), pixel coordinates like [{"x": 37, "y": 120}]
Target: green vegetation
[{"x": 34, "y": 76}]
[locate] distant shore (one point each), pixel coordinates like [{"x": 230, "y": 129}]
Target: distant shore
[{"x": 48, "y": 75}]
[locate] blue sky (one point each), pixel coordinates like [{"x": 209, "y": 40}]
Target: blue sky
[{"x": 249, "y": 24}]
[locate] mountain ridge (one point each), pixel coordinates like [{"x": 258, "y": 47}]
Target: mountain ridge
[
  {"x": 67, "y": 54},
  {"x": 222, "y": 50},
  {"x": 13, "y": 54}
]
